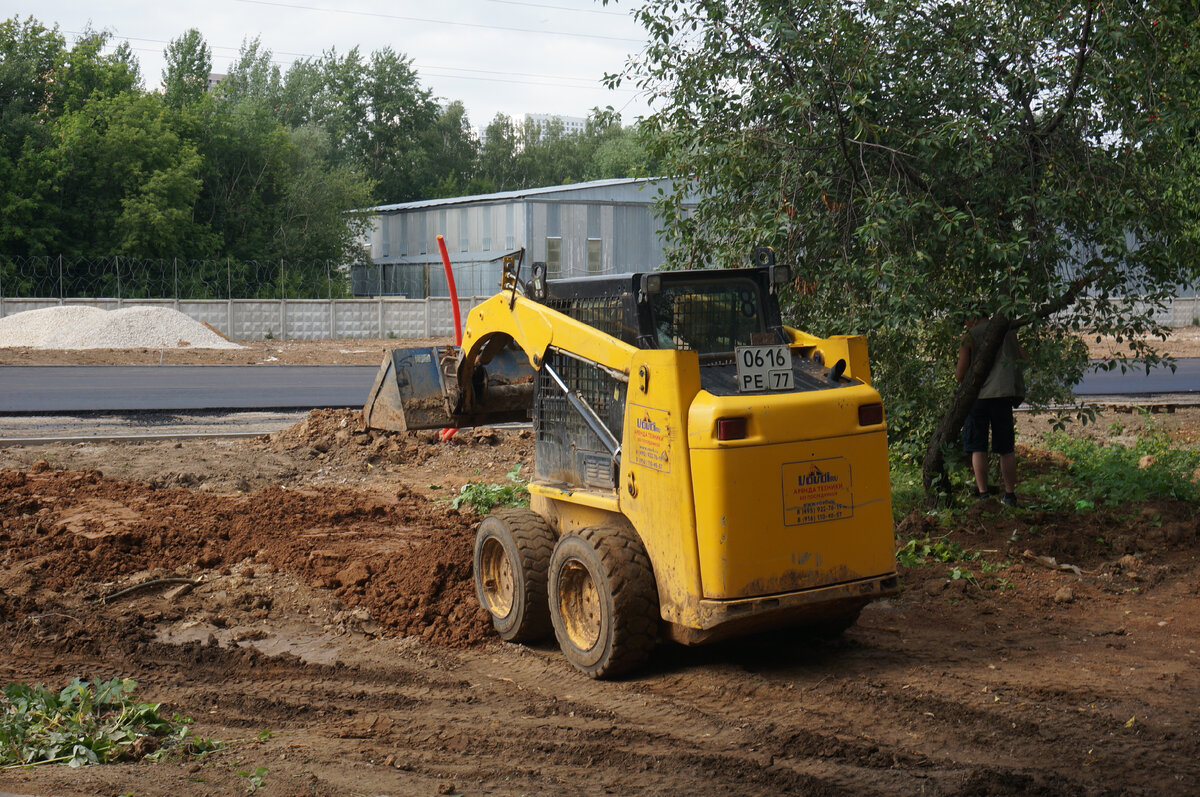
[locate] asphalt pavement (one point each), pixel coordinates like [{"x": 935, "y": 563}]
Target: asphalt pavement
[
  {"x": 128, "y": 388},
  {"x": 125, "y": 388}
]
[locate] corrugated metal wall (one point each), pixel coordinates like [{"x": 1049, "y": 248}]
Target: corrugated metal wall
[{"x": 625, "y": 228}]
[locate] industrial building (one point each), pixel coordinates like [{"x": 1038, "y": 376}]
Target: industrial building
[{"x": 599, "y": 227}]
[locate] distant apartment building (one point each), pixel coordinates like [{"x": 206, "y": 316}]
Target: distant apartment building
[{"x": 572, "y": 125}]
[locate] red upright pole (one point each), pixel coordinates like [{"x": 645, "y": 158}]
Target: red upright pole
[
  {"x": 453, "y": 290},
  {"x": 449, "y": 432}
]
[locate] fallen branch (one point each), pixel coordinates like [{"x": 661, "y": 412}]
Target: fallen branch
[
  {"x": 1052, "y": 563},
  {"x": 145, "y": 585}
]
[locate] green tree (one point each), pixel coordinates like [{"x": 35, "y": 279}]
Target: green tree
[
  {"x": 921, "y": 161},
  {"x": 398, "y": 113},
  {"x": 451, "y": 153},
  {"x": 189, "y": 63},
  {"x": 253, "y": 76},
  {"x": 87, "y": 72},
  {"x": 122, "y": 182},
  {"x": 498, "y": 155},
  {"x": 29, "y": 54}
]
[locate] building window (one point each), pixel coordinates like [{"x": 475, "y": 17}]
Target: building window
[
  {"x": 553, "y": 258},
  {"x": 595, "y": 260}
]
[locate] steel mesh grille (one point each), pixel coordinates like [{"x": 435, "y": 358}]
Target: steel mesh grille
[
  {"x": 706, "y": 318},
  {"x": 561, "y": 432},
  {"x": 605, "y": 313}
]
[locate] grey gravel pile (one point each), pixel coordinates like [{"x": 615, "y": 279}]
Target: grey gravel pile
[{"x": 79, "y": 327}]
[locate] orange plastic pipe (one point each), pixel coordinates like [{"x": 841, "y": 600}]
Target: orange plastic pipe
[
  {"x": 453, "y": 290},
  {"x": 448, "y": 432}
]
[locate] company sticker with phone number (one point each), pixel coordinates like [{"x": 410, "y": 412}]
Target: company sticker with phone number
[
  {"x": 651, "y": 438},
  {"x": 817, "y": 491}
]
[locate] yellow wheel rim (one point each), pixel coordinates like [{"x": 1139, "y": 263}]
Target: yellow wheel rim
[
  {"x": 498, "y": 582},
  {"x": 579, "y": 605}
]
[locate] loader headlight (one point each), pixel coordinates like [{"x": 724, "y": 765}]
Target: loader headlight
[{"x": 537, "y": 284}]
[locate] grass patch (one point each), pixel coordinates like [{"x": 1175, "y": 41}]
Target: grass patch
[
  {"x": 89, "y": 723},
  {"x": 1098, "y": 475},
  {"x": 1112, "y": 474}
]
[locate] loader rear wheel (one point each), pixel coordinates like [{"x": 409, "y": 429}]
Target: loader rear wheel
[
  {"x": 603, "y": 601},
  {"x": 834, "y": 627},
  {"x": 512, "y": 557}
]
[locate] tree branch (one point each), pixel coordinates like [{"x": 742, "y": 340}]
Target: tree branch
[{"x": 1081, "y": 59}]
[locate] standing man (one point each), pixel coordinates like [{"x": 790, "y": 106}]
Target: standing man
[{"x": 1003, "y": 390}]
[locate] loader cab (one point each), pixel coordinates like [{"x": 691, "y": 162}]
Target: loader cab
[{"x": 710, "y": 312}]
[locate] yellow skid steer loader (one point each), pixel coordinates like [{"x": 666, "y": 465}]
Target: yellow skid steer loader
[{"x": 700, "y": 470}]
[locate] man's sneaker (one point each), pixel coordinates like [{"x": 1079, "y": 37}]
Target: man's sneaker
[
  {"x": 981, "y": 496},
  {"x": 1009, "y": 499}
]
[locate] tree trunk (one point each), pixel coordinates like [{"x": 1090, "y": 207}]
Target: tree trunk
[{"x": 933, "y": 468}]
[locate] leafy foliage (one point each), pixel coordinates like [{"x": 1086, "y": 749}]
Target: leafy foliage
[
  {"x": 484, "y": 497},
  {"x": 86, "y": 724},
  {"x": 916, "y": 553},
  {"x": 922, "y": 162},
  {"x": 264, "y": 166}
]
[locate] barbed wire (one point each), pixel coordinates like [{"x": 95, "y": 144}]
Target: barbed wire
[{"x": 61, "y": 277}]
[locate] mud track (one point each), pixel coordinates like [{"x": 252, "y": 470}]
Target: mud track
[{"x": 331, "y": 636}]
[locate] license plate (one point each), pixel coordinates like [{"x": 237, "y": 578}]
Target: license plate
[{"x": 762, "y": 368}]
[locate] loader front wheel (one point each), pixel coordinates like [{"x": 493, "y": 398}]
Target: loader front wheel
[
  {"x": 512, "y": 558},
  {"x": 603, "y": 601}
]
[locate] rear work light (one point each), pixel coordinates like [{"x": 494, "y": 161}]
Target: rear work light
[
  {"x": 731, "y": 428},
  {"x": 870, "y": 414}
]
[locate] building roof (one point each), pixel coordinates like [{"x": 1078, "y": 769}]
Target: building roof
[
  {"x": 619, "y": 190},
  {"x": 458, "y": 258}
]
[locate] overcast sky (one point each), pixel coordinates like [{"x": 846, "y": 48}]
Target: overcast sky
[{"x": 496, "y": 56}]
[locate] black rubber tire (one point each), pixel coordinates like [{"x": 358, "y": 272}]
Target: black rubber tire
[
  {"x": 510, "y": 565},
  {"x": 603, "y": 601},
  {"x": 834, "y": 627}
]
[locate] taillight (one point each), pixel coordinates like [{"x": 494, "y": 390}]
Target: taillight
[
  {"x": 731, "y": 428},
  {"x": 870, "y": 414}
]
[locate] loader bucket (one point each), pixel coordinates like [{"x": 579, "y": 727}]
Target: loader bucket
[
  {"x": 412, "y": 390},
  {"x": 420, "y": 389}
]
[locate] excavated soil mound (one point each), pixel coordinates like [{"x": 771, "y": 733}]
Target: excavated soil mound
[
  {"x": 407, "y": 561},
  {"x": 338, "y": 438}
]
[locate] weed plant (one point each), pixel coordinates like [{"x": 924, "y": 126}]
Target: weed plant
[
  {"x": 484, "y": 497},
  {"x": 88, "y": 724}
]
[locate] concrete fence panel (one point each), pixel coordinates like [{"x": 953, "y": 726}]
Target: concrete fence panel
[{"x": 320, "y": 319}]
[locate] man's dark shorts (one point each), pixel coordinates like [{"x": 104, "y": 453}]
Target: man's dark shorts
[{"x": 996, "y": 413}]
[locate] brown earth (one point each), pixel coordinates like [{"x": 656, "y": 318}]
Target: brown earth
[{"x": 328, "y": 603}]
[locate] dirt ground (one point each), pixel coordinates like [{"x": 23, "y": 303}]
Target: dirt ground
[{"x": 328, "y": 632}]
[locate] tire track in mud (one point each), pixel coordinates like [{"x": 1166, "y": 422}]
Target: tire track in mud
[
  {"x": 807, "y": 732},
  {"x": 694, "y": 718}
]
